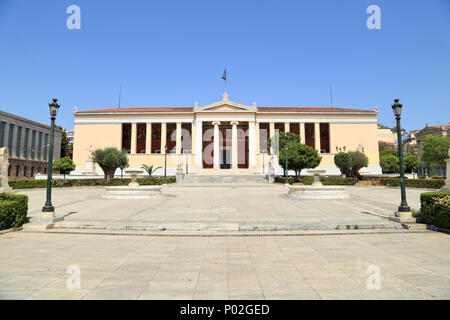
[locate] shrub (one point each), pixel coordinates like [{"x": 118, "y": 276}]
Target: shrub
[
  {"x": 417, "y": 183},
  {"x": 59, "y": 183},
  {"x": 436, "y": 208},
  {"x": 291, "y": 180},
  {"x": 13, "y": 210}
]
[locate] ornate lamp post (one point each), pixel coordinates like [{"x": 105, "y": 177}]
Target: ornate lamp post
[
  {"x": 187, "y": 152},
  {"x": 264, "y": 161},
  {"x": 48, "y": 211},
  {"x": 404, "y": 211},
  {"x": 287, "y": 170},
  {"x": 165, "y": 164}
]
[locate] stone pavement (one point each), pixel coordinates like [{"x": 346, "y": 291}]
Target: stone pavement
[
  {"x": 224, "y": 207},
  {"x": 413, "y": 265}
]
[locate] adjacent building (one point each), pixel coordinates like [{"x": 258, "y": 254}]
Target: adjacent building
[
  {"x": 28, "y": 145},
  {"x": 223, "y": 135}
]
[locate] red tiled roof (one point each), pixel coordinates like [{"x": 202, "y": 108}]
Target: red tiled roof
[
  {"x": 310, "y": 109},
  {"x": 151, "y": 109},
  {"x": 387, "y": 143},
  {"x": 262, "y": 109}
]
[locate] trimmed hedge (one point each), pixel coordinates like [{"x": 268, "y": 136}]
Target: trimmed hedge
[
  {"x": 436, "y": 208},
  {"x": 333, "y": 181},
  {"x": 13, "y": 210},
  {"x": 60, "y": 183},
  {"x": 417, "y": 183}
]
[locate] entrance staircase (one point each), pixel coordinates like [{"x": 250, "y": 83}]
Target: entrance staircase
[{"x": 224, "y": 176}]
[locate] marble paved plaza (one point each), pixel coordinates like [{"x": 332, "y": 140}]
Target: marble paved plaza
[
  {"x": 151, "y": 266},
  {"x": 224, "y": 207}
]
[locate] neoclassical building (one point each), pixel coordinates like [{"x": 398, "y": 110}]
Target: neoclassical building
[{"x": 223, "y": 135}]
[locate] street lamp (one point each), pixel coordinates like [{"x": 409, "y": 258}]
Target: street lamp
[
  {"x": 165, "y": 164},
  {"x": 187, "y": 152},
  {"x": 404, "y": 211},
  {"x": 48, "y": 211},
  {"x": 287, "y": 170},
  {"x": 264, "y": 162}
]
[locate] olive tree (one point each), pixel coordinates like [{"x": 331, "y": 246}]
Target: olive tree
[
  {"x": 109, "y": 159},
  {"x": 343, "y": 161}
]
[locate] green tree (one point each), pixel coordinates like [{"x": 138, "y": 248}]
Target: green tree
[
  {"x": 150, "y": 170},
  {"x": 65, "y": 145},
  {"x": 412, "y": 163},
  {"x": 389, "y": 163},
  {"x": 359, "y": 161},
  {"x": 109, "y": 159},
  {"x": 299, "y": 156},
  {"x": 343, "y": 161},
  {"x": 435, "y": 150},
  {"x": 64, "y": 165}
]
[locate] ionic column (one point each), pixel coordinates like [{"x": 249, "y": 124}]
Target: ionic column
[
  {"x": 251, "y": 144},
  {"x": 148, "y": 139},
  {"x": 271, "y": 134},
  {"x": 302, "y": 133},
  {"x": 317, "y": 136},
  {"x": 287, "y": 127},
  {"x": 234, "y": 145},
  {"x": 178, "y": 137},
  {"x": 257, "y": 135},
  {"x": 216, "y": 144},
  {"x": 198, "y": 143},
  {"x": 192, "y": 138},
  {"x": 163, "y": 137},
  {"x": 133, "y": 137},
  {"x": 331, "y": 137}
]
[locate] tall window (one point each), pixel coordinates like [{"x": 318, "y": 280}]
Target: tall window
[
  {"x": 46, "y": 148},
  {"x": 279, "y": 127},
  {"x": 126, "y": 137},
  {"x": 186, "y": 137},
  {"x": 39, "y": 148},
  {"x": 17, "y": 171},
  {"x": 264, "y": 129},
  {"x": 25, "y": 171},
  {"x": 2, "y": 133},
  {"x": 295, "y": 128},
  {"x": 171, "y": 137},
  {"x": 156, "y": 138},
  {"x": 141, "y": 137},
  {"x": 25, "y": 143},
  {"x": 325, "y": 138},
  {"x": 10, "y": 138},
  {"x": 33, "y": 144},
  {"x": 18, "y": 140},
  {"x": 310, "y": 135}
]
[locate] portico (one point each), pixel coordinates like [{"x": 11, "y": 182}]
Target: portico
[{"x": 225, "y": 134}]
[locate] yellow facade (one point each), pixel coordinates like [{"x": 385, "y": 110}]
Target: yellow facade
[{"x": 337, "y": 129}]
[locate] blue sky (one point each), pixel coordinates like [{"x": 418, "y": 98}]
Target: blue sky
[{"x": 278, "y": 53}]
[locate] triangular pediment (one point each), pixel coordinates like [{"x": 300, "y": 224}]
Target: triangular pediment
[{"x": 225, "y": 106}]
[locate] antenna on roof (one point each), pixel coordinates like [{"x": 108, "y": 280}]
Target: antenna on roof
[
  {"x": 331, "y": 95},
  {"x": 120, "y": 94}
]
